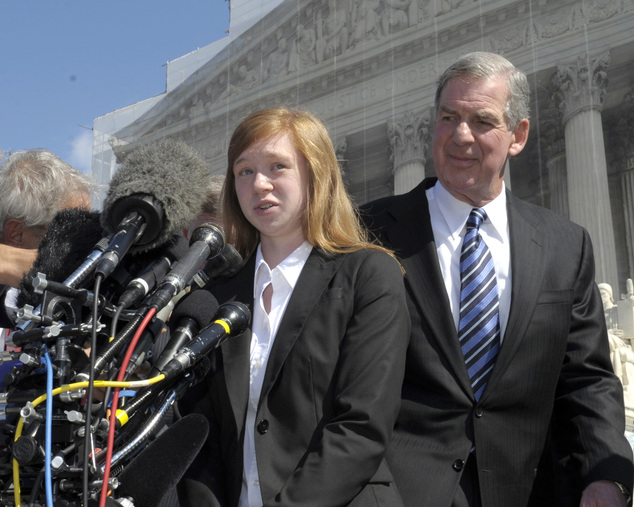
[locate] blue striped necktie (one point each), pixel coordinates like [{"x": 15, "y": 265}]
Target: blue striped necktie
[{"x": 479, "y": 326}]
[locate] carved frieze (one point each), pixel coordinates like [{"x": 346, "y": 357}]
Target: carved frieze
[
  {"x": 555, "y": 23},
  {"x": 600, "y": 10},
  {"x": 509, "y": 40},
  {"x": 290, "y": 58}
]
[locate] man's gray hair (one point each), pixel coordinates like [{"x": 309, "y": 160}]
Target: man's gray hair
[
  {"x": 35, "y": 184},
  {"x": 483, "y": 65}
]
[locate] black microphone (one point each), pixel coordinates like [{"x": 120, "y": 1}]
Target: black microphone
[
  {"x": 158, "y": 468},
  {"x": 224, "y": 264},
  {"x": 19, "y": 338},
  {"x": 206, "y": 241},
  {"x": 154, "y": 195},
  {"x": 82, "y": 273},
  {"x": 144, "y": 399},
  {"x": 150, "y": 277},
  {"x": 70, "y": 238},
  {"x": 231, "y": 320},
  {"x": 191, "y": 314}
]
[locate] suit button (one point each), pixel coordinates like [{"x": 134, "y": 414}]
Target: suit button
[
  {"x": 263, "y": 426},
  {"x": 479, "y": 412},
  {"x": 458, "y": 465}
]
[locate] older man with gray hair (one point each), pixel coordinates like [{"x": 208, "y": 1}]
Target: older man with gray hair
[
  {"x": 508, "y": 358},
  {"x": 34, "y": 185}
]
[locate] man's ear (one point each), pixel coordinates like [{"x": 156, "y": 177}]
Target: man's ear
[
  {"x": 13, "y": 232},
  {"x": 519, "y": 138}
]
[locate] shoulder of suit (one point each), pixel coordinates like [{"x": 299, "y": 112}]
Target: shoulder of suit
[
  {"x": 376, "y": 263},
  {"x": 540, "y": 216},
  {"x": 414, "y": 195},
  {"x": 383, "y": 213},
  {"x": 361, "y": 256}
]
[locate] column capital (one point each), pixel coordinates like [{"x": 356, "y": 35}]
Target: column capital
[
  {"x": 583, "y": 84},
  {"x": 408, "y": 136}
]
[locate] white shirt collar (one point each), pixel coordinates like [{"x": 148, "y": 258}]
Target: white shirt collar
[
  {"x": 455, "y": 212},
  {"x": 290, "y": 268}
]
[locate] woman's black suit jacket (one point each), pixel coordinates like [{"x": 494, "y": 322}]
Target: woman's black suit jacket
[{"x": 330, "y": 396}]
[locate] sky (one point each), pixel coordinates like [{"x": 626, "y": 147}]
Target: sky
[{"x": 65, "y": 62}]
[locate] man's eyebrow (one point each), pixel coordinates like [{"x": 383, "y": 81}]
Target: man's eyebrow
[
  {"x": 482, "y": 114},
  {"x": 486, "y": 115},
  {"x": 446, "y": 109}
]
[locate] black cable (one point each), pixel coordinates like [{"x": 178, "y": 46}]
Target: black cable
[
  {"x": 115, "y": 321},
  {"x": 91, "y": 380},
  {"x": 106, "y": 396},
  {"x": 35, "y": 488}
]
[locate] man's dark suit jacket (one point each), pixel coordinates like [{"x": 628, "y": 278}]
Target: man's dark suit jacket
[
  {"x": 553, "y": 372},
  {"x": 330, "y": 395}
]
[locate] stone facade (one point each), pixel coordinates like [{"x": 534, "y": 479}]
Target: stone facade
[{"x": 368, "y": 69}]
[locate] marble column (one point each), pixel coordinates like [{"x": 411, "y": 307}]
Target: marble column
[
  {"x": 623, "y": 152},
  {"x": 583, "y": 85},
  {"x": 408, "y": 137},
  {"x": 627, "y": 184},
  {"x": 554, "y": 149},
  {"x": 556, "y": 166}
]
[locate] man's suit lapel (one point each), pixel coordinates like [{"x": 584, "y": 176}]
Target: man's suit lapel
[
  {"x": 527, "y": 270},
  {"x": 414, "y": 243},
  {"x": 312, "y": 282}
]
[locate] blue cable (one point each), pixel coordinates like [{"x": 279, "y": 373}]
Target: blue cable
[{"x": 48, "y": 425}]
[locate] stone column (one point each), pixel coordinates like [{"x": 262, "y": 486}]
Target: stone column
[
  {"x": 622, "y": 149},
  {"x": 554, "y": 148},
  {"x": 407, "y": 137},
  {"x": 583, "y": 85},
  {"x": 627, "y": 184}
]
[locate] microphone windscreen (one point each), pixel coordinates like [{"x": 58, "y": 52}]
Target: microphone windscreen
[
  {"x": 70, "y": 237},
  {"x": 200, "y": 305},
  {"x": 169, "y": 171},
  {"x": 156, "y": 470}
]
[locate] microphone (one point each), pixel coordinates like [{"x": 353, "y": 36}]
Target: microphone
[
  {"x": 83, "y": 271},
  {"x": 224, "y": 264},
  {"x": 70, "y": 239},
  {"x": 231, "y": 320},
  {"x": 206, "y": 241},
  {"x": 149, "y": 278},
  {"x": 157, "y": 469},
  {"x": 145, "y": 398},
  {"x": 151, "y": 197},
  {"x": 191, "y": 314},
  {"x": 20, "y": 337}
]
